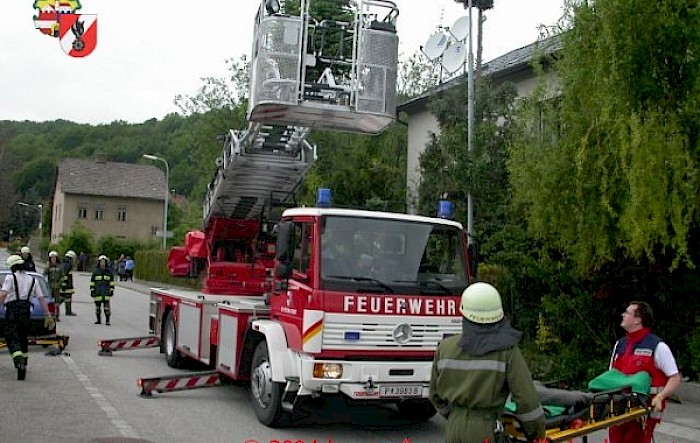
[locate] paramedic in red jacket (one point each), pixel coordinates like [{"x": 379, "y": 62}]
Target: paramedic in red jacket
[{"x": 640, "y": 350}]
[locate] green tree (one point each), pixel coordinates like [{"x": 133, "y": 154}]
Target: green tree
[
  {"x": 416, "y": 76},
  {"x": 448, "y": 168},
  {"x": 622, "y": 152},
  {"x": 604, "y": 166}
]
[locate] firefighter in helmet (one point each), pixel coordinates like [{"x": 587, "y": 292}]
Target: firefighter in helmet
[
  {"x": 16, "y": 293},
  {"x": 474, "y": 372},
  {"x": 67, "y": 289},
  {"x": 26, "y": 255},
  {"x": 54, "y": 276},
  {"x": 102, "y": 289}
]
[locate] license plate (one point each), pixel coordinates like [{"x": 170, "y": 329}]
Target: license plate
[{"x": 401, "y": 391}]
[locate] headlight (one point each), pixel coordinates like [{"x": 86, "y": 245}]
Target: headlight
[{"x": 328, "y": 370}]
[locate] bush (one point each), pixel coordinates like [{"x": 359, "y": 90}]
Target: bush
[
  {"x": 79, "y": 239},
  {"x": 152, "y": 266},
  {"x": 694, "y": 351}
]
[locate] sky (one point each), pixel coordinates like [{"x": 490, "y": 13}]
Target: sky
[{"x": 149, "y": 51}]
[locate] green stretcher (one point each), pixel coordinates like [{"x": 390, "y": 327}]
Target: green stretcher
[{"x": 613, "y": 398}]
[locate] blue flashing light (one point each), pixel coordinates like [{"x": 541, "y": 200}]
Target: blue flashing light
[
  {"x": 351, "y": 335},
  {"x": 323, "y": 198},
  {"x": 445, "y": 209}
]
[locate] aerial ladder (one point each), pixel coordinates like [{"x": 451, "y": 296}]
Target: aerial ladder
[{"x": 306, "y": 73}]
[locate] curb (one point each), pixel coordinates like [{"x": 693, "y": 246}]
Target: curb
[{"x": 688, "y": 392}]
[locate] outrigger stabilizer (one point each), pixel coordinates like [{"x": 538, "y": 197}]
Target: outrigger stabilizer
[
  {"x": 179, "y": 382},
  {"x": 107, "y": 346}
]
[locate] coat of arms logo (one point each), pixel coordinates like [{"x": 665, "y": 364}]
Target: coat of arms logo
[{"x": 77, "y": 33}]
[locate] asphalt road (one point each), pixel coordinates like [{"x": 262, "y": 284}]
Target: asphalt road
[{"x": 82, "y": 397}]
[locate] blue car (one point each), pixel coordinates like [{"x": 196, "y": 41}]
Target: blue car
[{"x": 37, "y": 313}]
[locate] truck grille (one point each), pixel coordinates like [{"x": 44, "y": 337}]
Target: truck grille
[{"x": 348, "y": 331}]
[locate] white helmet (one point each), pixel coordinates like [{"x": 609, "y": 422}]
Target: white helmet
[
  {"x": 25, "y": 250},
  {"x": 481, "y": 303},
  {"x": 103, "y": 257},
  {"x": 53, "y": 254},
  {"x": 14, "y": 260},
  {"x": 71, "y": 253}
]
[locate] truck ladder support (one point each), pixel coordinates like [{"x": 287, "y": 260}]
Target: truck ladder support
[
  {"x": 170, "y": 383},
  {"x": 126, "y": 344}
]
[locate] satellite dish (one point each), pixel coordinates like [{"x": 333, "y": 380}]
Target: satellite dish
[
  {"x": 454, "y": 57},
  {"x": 435, "y": 46},
  {"x": 460, "y": 30}
]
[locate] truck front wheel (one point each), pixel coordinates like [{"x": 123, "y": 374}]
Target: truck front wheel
[
  {"x": 266, "y": 395},
  {"x": 416, "y": 410},
  {"x": 172, "y": 355}
]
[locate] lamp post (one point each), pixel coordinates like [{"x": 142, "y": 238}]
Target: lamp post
[
  {"x": 167, "y": 187},
  {"x": 468, "y": 4},
  {"x": 39, "y": 208}
]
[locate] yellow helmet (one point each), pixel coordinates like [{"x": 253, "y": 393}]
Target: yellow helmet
[
  {"x": 14, "y": 260},
  {"x": 25, "y": 250},
  {"x": 481, "y": 303},
  {"x": 71, "y": 253}
]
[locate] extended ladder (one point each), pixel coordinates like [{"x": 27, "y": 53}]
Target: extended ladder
[{"x": 260, "y": 166}]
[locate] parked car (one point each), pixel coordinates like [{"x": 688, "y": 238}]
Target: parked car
[{"x": 37, "y": 312}]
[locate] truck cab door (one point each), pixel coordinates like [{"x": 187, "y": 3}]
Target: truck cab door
[{"x": 294, "y": 274}]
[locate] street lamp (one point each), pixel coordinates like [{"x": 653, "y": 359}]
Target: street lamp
[
  {"x": 39, "y": 208},
  {"x": 468, "y": 4},
  {"x": 167, "y": 187}
]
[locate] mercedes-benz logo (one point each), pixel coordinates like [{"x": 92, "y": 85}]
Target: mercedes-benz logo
[{"x": 402, "y": 333}]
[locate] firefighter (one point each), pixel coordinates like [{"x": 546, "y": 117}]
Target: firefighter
[
  {"x": 26, "y": 255},
  {"x": 54, "y": 276},
  {"x": 67, "y": 289},
  {"x": 17, "y": 290},
  {"x": 474, "y": 372},
  {"x": 102, "y": 288}
]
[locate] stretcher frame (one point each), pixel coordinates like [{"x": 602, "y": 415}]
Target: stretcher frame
[
  {"x": 58, "y": 340},
  {"x": 634, "y": 408}
]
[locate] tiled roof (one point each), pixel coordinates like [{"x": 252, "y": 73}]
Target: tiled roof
[
  {"x": 111, "y": 179},
  {"x": 514, "y": 60}
]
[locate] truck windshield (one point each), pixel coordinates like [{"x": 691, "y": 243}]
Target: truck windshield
[{"x": 388, "y": 255}]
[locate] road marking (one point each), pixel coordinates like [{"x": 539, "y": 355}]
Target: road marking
[{"x": 110, "y": 411}]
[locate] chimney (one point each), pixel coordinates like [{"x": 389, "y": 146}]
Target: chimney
[{"x": 100, "y": 157}]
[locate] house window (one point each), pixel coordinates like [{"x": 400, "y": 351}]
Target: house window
[
  {"x": 121, "y": 213},
  {"x": 82, "y": 210},
  {"x": 99, "y": 212}
]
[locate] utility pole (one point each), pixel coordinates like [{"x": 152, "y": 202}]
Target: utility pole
[{"x": 167, "y": 195}]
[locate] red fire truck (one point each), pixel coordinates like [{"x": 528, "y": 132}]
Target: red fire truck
[
  {"x": 314, "y": 301},
  {"x": 358, "y": 302}
]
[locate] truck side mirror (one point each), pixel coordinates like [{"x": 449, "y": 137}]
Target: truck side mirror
[{"x": 285, "y": 249}]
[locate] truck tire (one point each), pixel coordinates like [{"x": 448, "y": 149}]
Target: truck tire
[
  {"x": 416, "y": 410},
  {"x": 172, "y": 355},
  {"x": 265, "y": 394}
]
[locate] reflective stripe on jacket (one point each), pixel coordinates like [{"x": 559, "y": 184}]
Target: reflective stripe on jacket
[{"x": 102, "y": 283}]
